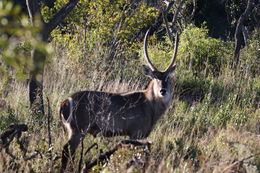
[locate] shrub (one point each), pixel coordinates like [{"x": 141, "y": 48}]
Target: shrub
[
  {"x": 192, "y": 88},
  {"x": 16, "y": 39},
  {"x": 250, "y": 56},
  {"x": 201, "y": 53},
  {"x": 101, "y": 29},
  {"x": 7, "y": 117}
]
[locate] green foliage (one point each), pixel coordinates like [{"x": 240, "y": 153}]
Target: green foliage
[
  {"x": 215, "y": 102},
  {"x": 7, "y": 117},
  {"x": 250, "y": 56},
  {"x": 236, "y": 8},
  {"x": 12, "y": 51},
  {"x": 100, "y": 26},
  {"x": 16, "y": 39},
  {"x": 201, "y": 53},
  {"x": 159, "y": 51},
  {"x": 194, "y": 85},
  {"x": 209, "y": 100}
]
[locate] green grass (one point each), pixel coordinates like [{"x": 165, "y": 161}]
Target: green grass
[{"x": 212, "y": 124}]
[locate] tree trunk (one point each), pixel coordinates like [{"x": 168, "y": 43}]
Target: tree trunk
[
  {"x": 240, "y": 34},
  {"x": 36, "y": 79},
  {"x": 35, "y": 85}
]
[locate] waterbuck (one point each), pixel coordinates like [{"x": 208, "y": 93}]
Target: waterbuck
[{"x": 132, "y": 114}]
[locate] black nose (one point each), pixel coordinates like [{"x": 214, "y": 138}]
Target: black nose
[{"x": 163, "y": 92}]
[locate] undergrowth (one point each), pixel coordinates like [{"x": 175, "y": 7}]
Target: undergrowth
[{"x": 212, "y": 125}]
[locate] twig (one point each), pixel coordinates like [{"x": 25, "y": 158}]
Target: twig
[
  {"x": 177, "y": 12},
  {"x": 33, "y": 156},
  {"x": 92, "y": 146},
  {"x": 10, "y": 154},
  {"x": 107, "y": 154},
  {"x": 49, "y": 127},
  {"x": 12, "y": 131},
  {"x": 81, "y": 155},
  {"x": 21, "y": 146},
  {"x": 239, "y": 162}
]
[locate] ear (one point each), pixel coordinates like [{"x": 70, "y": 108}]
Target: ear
[
  {"x": 171, "y": 71},
  {"x": 147, "y": 71}
]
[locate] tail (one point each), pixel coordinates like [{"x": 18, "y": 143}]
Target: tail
[{"x": 66, "y": 110}]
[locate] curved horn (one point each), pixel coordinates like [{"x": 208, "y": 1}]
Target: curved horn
[
  {"x": 176, "y": 33},
  {"x": 175, "y": 43},
  {"x": 175, "y": 51},
  {"x": 146, "y": 56}
]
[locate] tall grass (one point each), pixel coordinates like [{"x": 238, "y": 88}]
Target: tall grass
[{"x": 212, "y": 125}]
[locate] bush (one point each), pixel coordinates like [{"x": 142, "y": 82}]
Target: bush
[
  {"x": 192, "y": 88},
  {"x": 201, "y": 53},
  {"x": 250, "y": 56},
  {"x": 7, "y": 117},
  {"x": 16, "y": 39},
  {"x": 101, "y": 29}
]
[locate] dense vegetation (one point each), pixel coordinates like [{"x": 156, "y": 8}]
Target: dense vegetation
[{"x": 213, "y": 124}]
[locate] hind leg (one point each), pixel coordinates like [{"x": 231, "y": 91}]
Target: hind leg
[{"x": 69, "y": 150}]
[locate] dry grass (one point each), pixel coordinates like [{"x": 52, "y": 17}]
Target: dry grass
[{"x": 185, "y": 140}]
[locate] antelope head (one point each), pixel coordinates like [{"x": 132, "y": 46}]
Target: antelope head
[{"x": 160, "y": 79}]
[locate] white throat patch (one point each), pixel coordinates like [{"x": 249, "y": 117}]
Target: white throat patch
[{"x": 166, "y": 99}]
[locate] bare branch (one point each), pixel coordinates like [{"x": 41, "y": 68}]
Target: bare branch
[
  {"x": 176, "y": 34},
  {"x": 62, "y": 13},
  {"x": 92, "y": 146},
  {"x": 33, "y": 8},
  {"x": 107, "y": 154},
  {"x": 10, "y": 132},
  {"x": 167, "y": 28},
  {"x": 239, "y": 34},
  {"x": 177, "y": 12},
  {"x": 81, "y": 155},
  {"x": 169, "y": 6},
  {"x": 49, "y": 116},
  {"x": 239, "y": 162},
  {"x": 193, "y": 10},
  {"x": 33, "y": 156}
]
